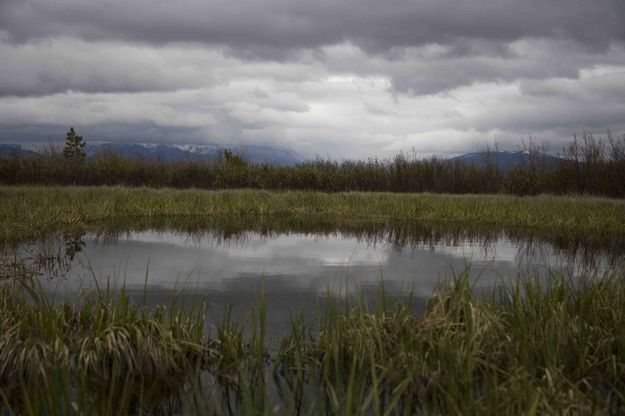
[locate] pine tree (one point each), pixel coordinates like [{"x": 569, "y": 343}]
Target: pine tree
[{"x": 73, "y": 146}]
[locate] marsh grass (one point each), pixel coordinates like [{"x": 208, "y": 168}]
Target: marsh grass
[
  {"x": 100, "y": 354},
  {"x": 535, "y": 348},
  {"x": 31, "y": 212},
  {"x": 540, "y": 346}
]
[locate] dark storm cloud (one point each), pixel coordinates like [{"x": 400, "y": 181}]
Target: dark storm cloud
[
  {"x": 315, "y": 76},
  {"x": 478, "y": 39},
  {"x": 270, "y": 27}
]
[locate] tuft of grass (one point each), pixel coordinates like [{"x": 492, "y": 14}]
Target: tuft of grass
[{"x": 103, "y": 354}]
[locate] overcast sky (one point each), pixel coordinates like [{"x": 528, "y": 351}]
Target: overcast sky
[{"x": 346, "y": 78}]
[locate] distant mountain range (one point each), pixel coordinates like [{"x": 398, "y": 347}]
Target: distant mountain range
[
  {"x": 175, "y": 153},
  {"x": 260, "y": 154},
  {"x": 207, "y": 153},
  {"x": 505, "y": 159}
]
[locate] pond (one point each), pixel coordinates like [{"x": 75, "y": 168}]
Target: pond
[
  {"x": 296, "y": 265},
  {"x": 272, "y": 336}
]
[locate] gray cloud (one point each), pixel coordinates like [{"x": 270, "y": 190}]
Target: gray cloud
[
  {"x": 62, "y": 64},
  {"x": 272, "y": 26},
  {"x": 437, "y": 68},
  {"x": 350, "y": 78},
  {"x": 596, "y": 101},
  {"x": 423, "y": 47}
]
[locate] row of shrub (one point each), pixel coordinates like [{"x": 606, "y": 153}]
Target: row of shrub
[{"x": 588, "y": 165}]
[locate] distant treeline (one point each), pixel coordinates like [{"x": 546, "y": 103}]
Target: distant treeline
[{"x": 588, "y": 165}]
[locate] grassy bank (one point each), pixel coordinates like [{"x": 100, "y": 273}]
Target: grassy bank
[
  {"x": 29, "y": 212},
  {"x": 530, "y": 349}
]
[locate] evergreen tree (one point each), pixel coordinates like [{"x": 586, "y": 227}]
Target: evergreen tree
[{"x": 73, "y": 146}]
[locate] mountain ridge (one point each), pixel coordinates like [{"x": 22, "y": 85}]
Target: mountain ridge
[
  {"x": 208, "y": 153},
  {"x": 261, "y": 154},
  {"x": 176, "y": 152}
]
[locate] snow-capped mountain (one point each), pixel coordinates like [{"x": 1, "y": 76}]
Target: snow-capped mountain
[
  {"x": 200, "y": 149},
  {"x": 175, "y": 152},
  {"x": 208, "y": 153}
]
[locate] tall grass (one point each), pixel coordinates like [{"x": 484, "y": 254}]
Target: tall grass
[
  {"x": 102, "y": 354},
  {"x": 537, "y": 347},
  {"x": 29, "y": 212},
  {"x": 530, "y": 349},
  {"x": 589, "y": 166}
]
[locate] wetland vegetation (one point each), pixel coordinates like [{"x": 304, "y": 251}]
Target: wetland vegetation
[
  {"x": 543, "y": 344},
  {"x": 29, "y": 212},
  {"x": 533, "y": 348},
  {"x": 543, "y": 341}
]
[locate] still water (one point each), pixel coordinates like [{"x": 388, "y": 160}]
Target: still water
[
  {"x": 294, "y": 269},
  {"x": 309, "y": 262}
]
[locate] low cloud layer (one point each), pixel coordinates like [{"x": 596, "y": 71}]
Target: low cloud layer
[{"x": 345, "y": 79}]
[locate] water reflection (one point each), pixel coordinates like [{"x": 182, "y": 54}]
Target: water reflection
[
  {"x": 396, "y": 234},
  {"x": 226, "y": 256},
  {"x": 224, "y": 262}
]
